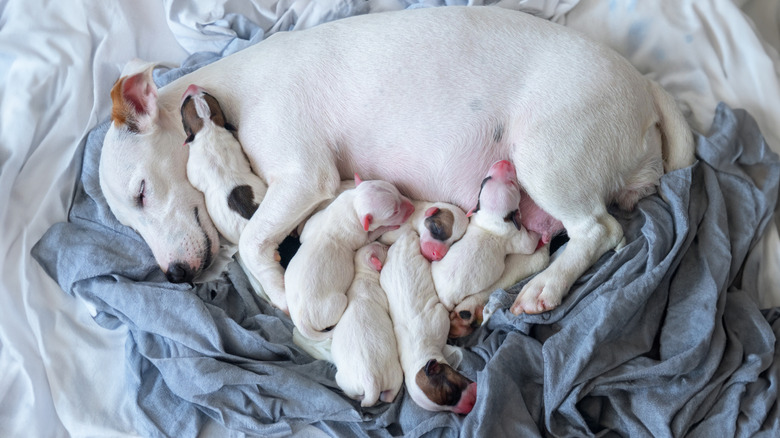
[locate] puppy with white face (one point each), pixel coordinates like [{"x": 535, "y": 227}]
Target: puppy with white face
[
  {"x": 438, "y": 224},
  {"x": 217, "y": 165},
  {"x": 318, "y": 276},
  {"x": 421, "y": 324},
  {"x": 477, "y": 261},
  {"x": 363, "y": 347}
]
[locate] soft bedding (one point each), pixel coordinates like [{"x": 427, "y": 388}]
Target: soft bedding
[{"x": 674, "y": 335}]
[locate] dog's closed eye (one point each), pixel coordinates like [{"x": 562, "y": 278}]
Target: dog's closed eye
[{"x": 140, "y": 197}]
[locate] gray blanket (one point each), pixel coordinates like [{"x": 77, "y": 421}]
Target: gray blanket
[{"x": 662, "y": 338}]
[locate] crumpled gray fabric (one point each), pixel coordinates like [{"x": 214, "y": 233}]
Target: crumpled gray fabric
[{"x": 662, "y": 338}]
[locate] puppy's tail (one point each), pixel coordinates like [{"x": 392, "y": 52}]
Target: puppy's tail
[{"x": 676, "y": 136}]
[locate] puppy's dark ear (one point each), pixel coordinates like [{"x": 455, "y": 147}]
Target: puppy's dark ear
[{"x": 432, "y": 368}]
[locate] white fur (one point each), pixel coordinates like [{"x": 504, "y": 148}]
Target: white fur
[
  {"x": 321, "y": 271},
  {"x": 363, "y": 346},
  {"x": 420, "y": 321},
  {"x": 368, "y": 94},
  {"x": 477, "y": 260},
  {"x": 217, "y": 165}
]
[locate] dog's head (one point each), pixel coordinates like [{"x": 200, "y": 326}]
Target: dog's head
[
  {"x": 443, "y": 225},
  {"x": 500, "y": 192},
  {"x": 379, "y": 204},
  {"x": 144, "y": 180},
  {"x": 370, "y": 258},
  {"x": 439, "y": 387}
]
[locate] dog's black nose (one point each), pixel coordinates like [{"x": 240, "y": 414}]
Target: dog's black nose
[{"x": 179, "y": 273}]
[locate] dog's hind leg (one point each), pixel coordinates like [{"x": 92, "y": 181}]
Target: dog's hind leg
[
  {"x": 590, "y": 236},
  {"x": 286, "y": 204}
]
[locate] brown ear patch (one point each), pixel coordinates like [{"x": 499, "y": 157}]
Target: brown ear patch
[
  {"x": 441, "y": 383},
  {"x": 190, "y": 121},
  {"x": 440, "y": 224},
  {"x": 217, "y": 116},
  {"x": 121, "y": 110}
]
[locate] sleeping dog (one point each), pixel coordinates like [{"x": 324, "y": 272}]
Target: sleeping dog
[
  {"x": 421, "y": 324},
  {"x": 366, "y": 94},
  {"x": 217, "y": 165},
  {"x": 319, "y": 274},
  {"x": 363, "y": 346}
]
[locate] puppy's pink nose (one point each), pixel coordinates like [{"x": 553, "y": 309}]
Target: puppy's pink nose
[
  {"x": 192, "y": 90},
  {"x": 503, "y": 166}
]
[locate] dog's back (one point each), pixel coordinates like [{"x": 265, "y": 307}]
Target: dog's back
[{"x": 364, "y": 348}]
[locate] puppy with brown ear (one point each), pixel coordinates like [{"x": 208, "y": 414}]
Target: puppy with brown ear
[
  {"x": 477, "y": 263},
  {"x": 321, "y": 271},
  {"x": 217, "y": 166},
  {"x": 363, "y": 347},
  {"x": 421, "y": 324},
  {"x": 438, "y": 224}
]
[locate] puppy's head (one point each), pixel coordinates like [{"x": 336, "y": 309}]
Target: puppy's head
[
  {"x": 380, "y": 204},
  {"x": 443, "y": 225},
  {"x": 370, "y": 258},
  {"x": 201, "y": 110},
  {"x": 500, "y": 191},
  {"x": 143, "y": 178},
  {"x": 438, "y": 387}
]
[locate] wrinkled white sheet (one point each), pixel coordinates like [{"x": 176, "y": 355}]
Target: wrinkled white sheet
[{"x": 63, "y": 375}]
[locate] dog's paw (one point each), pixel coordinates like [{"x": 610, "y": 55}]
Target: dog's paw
[
  {"x": 538, "y": 296},
  {"x": 463, "y": 322}
]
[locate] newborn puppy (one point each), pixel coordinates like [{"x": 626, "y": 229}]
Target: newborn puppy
[
  {"x": 467, "y": 315},
  {"x": 421, "y": 324},
  {"x": 318, "y": 276},
  {"x": 363, "y": 346},
  {"x": 438, "y": 224},
  {"x": 217, "y": 165},
  {"x": 477, "y": 261}
]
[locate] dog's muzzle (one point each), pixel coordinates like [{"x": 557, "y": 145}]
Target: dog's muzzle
[{"x": 180, "y": 273}]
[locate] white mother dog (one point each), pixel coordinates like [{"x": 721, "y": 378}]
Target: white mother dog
[{"x": 426, "y": 99}]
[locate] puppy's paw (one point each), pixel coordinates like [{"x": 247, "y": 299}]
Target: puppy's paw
[
  {"x": 463, "y": 321},
  {"x": 538, "y": 296}
]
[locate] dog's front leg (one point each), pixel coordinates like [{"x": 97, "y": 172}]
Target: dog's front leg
[
  {"x": 590, "y": 237},
  {"x": 287, "y": 203}
]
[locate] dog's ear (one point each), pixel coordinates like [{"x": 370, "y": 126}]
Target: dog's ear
[
  {"x": 367, "y": 221},
  {"x": 135, "y": 101}
]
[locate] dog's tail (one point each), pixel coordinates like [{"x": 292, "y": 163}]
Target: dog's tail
[{"x": 677, "y": 139}]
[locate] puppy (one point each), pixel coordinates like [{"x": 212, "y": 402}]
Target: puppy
[
  {"x": 217, "y": 165},
  {"x": 438, "y": 224},
  {"x": 468, "y": 314},
  {"x": 581, "y": 125},
  {"x": 321, "y": 271},
  {"x": 477, "y": 261},
  {"x": 363, "y": 346},
  {"x": 421, "y": 324}
]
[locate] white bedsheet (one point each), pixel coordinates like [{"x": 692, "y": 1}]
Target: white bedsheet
[{"x": 63, "y": 375}]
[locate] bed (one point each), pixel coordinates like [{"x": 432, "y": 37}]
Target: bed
[{"x": 675, "y": 335}]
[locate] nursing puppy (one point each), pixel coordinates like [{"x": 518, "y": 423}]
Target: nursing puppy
[
  {"x": 363, "y": 346},
  {"x": 217, "y": 166},
  {"x": 477, "y": 261},
  {"x": 581, "y": 125},
  {"x": 321, "y": 271},
  {"x": 421, "y": 324},
  {"x": 438, "y": 224}
]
